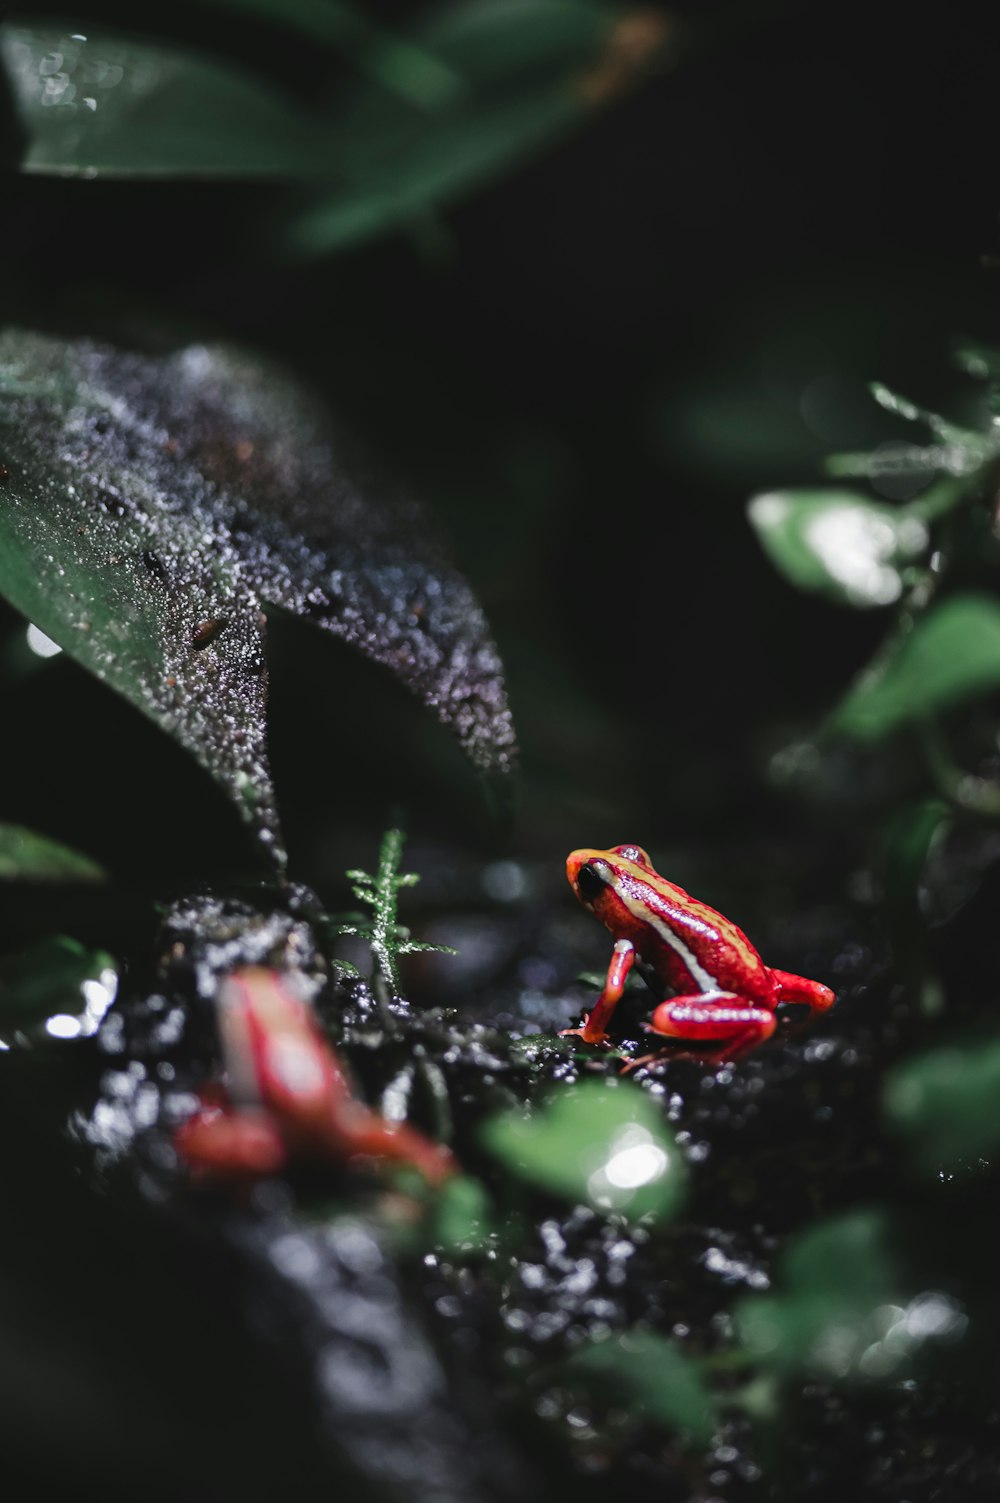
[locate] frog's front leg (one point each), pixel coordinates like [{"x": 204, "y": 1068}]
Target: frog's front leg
[
  {"x": 622, "y": 960},
  {"x": 227, "y": 1140},
  {"x": 733, "y": 1023}
]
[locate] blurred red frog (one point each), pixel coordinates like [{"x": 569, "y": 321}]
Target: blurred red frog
[
  {"x": 725, "y": 996},
  {"x": 286, "y": 1094}
]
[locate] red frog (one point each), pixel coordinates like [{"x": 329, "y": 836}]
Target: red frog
[
  {"x": 725, "y": 996},
  {"x": 287, "y": 1094}
]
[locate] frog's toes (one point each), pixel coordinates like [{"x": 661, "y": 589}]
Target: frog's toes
[{"x": 601, "y": 1040}]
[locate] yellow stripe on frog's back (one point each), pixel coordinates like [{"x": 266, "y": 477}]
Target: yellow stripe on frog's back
[{"x": 667, "y": 909}]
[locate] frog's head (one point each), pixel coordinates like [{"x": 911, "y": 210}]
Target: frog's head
[{"x": 594, "y": 877}]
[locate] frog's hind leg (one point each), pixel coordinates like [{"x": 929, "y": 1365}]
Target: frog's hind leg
[{"x": 724, "y": 1020}]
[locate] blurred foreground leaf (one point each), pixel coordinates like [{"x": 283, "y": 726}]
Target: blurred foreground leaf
[
  {"x": 149, "y": 507},
  {"x": 107, "y": 105},
  {"x": 600, "y": 1143},
  {"x": 834, "y": 1277},
  {"x": 838, "y": 542},
  {"x": 837, "y": 1310},
  {"x": 461, "y": 96},
  {"x": 951, "y": 655},
  {"x": 531, "y": 69},
  {"x": 57, "y": 985},
  {"x": 947, "y": 1103},
  {"x": 909, "y": 837},
  {"x": 654, "y": 1378},
  {"x": 463, "y": 1217},
  {"x": 28, "y": 857}
]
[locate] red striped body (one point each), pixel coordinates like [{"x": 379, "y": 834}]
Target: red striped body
[{"x": 726, "y": 994}]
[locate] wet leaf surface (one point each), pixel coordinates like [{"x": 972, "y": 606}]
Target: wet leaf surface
[
  {"x": 602, "y": 1144},
  {"x": 150, "y": 507},
  {"x": 656, "y": 1377},
  {"x": 107, "y": 105},
  {"x": 838, "y": 543}
]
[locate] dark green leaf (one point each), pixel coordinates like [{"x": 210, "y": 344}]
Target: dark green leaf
[
  {"x": 979, "y": 360},
  {"x": 838, "y": 542},
  {"x": 463, "y": 1216},
  {"x": 838, "y": 1311},
  {"x": 974, "y": 445},
  {"x": 947, "y": 1103},
  {"x": 908, "y": 841},
  {"x": 849, "y": 1255},
  {"x": 390, "y": 60},
  {"x": 103, "y": 105},
  {"x": 28, "y": 857},
  {"x": 152, "y": 505},
  {"x": 58, "y": 986},
  {"x": 602, "y": 1143},
  {"x": 654, "y": 1378},
  {"x": 524, "y": 64},
  {"x": 951, "y": 655},
  {"x": 833, "y": 1302}
]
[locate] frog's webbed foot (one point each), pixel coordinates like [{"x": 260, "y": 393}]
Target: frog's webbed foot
[
  {"x": 645, "y": 1059},
  {"x": 598, "y": 1038}
]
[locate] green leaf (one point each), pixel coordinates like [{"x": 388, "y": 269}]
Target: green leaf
[
  {"x": 979, "y": 360},
  {"x": 908, "y": 841},
  {"x": 654, "y": 1378},
  {"x": 108, "y": 105},
  {"x": 849, "y": 1254},
  {"x": 59, "y": 986},
  {"x": 838, "y": 1311},
  {"x": 28, "y": 857},
  {"x": 601, "y": 1143},
  {"x": 151, "y": 506},
  {"x": 947, "y": 1103},
  {"x": 838, "y": 543},
  {"x": 951, "y": 655},
  {"x": 463, "y": 1217},
  {"x": 837, "y": 1288},
  {"x": 390, "y": 60},
  {"x": 524, "y": 65},
  {"x": 956, "y": 451},
  {"x": 976, "y": 446}
]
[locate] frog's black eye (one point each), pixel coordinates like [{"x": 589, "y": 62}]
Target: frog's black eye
[{"x": 590, "y": 883}]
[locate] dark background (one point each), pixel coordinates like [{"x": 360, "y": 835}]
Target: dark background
[
  {"x": 586, "y": 372},
  {"x": 595, "y": 362}
]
